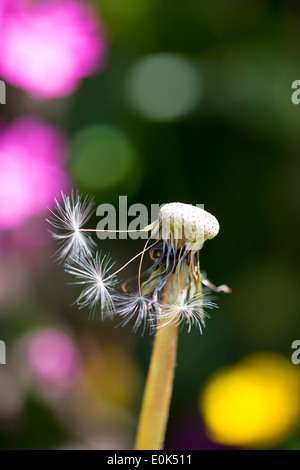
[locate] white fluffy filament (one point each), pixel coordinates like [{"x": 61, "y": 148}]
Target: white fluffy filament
[
  {"x": 187, "y": 311},
  {"x": 69, "y": 218},
  {"x": 91, "y": 273},
  {"x": 134, "y": 306}
]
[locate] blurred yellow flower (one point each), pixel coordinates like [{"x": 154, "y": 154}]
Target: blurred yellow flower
[{"x": 255, "y": 403}]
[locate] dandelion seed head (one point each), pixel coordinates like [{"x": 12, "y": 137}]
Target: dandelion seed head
[
  {"x": 69, "y": 218},
  {"x": 93, "y": 274},
  {"x": 198, "y": 224},
  {"x": 182, "y": 230}
]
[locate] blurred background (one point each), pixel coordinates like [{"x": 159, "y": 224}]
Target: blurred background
[{"x": 162, "y": 101}]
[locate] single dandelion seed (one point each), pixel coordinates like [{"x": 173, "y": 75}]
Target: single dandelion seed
[
  {"x": 91, "y": 273},
  {"x": 69, "y": 219},
  {"x": 189, "y": 311},
  {"x": 134, "y": 306}
]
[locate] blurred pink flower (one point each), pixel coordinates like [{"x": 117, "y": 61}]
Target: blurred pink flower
[
  {"x": 53, "y": 358},
  {"x": 48, "y": 46},
  {"x": 32, "y": 155}
]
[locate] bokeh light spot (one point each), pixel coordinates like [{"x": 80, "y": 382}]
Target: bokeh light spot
[
  {"x": 163, "y": 87},
  {"x": 102, "y": 157},
  {"x": 32, "y": 157},
  {"x": 53, "y": 358},
  {"x": 46, "y": 48},
  {"x": 254, "y": 403}
]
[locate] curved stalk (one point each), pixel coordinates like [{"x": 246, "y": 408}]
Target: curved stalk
[{"x": 158, "y": 390}]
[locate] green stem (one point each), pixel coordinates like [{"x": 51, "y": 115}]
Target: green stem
[{"x": 159, "y": 385}]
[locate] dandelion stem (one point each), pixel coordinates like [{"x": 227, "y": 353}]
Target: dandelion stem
[{"x": 158, "y": 390}]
